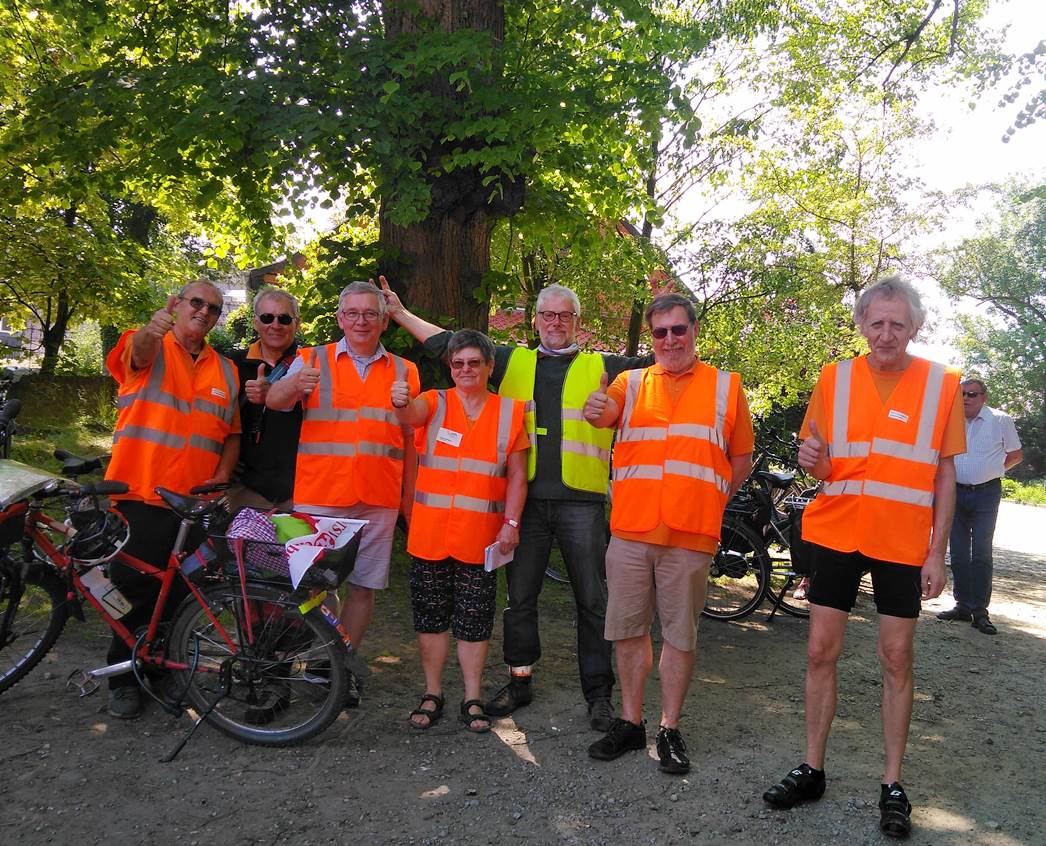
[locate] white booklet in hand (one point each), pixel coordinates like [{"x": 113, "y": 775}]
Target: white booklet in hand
[{"x": 494, "y": 558}]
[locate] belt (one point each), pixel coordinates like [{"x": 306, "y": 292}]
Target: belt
[{"x": 979, "y": 486}]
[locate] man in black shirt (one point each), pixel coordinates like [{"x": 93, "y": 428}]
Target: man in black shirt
[
  {"x": 566, "y": 496},
  {"x": 265, "y": 474}
]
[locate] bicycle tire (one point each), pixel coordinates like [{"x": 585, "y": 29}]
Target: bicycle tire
[
  {"x": 780, "y": 572},
  {"x": 739, "y": 574},
  {"x": 286, "y": 687},
  {"x": 37, "y": 621}
]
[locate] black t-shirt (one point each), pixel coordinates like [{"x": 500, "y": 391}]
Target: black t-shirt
[
  {"x": 269, "y": 444},
  {"x": 551, "y": 372}
]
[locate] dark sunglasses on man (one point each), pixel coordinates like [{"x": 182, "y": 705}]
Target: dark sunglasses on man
[
  {"x": 197, "y": 303},
  {"x": 679, "y": 330},
  {"x": 282, "y": 319}
]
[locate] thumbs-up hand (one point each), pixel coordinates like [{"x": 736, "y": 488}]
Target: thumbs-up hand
[
  {"x": 400, "y": 393},
  {"x": 162, "y": 320},
  {"x": 393, "y": 304},
  {"x": 813, "y": 451},
  {"x": 256, "y": 389},
  {"x": 597, "y": 401},
  {"x": 308, "y": 379}
]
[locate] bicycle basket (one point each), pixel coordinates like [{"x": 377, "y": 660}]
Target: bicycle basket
[{"x": 98, "y": 535}]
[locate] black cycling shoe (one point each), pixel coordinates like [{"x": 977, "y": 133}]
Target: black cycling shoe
[
  {"x": 895, "y": 811},
  {"x": 515, "y": 694},
  {"x": 803, "y": 784},
  {"x": 353, "y": 691},
  {"x": 671, "y": 751}
]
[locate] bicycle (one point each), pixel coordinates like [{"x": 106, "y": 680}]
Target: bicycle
[
  {"x": 258, "y": 660},
  {"x": 755, "y": 558}
]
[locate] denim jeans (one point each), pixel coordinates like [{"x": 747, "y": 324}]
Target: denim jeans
[
  {"x": 580, "y": 529},
  {"x": 971, "y": 545}
]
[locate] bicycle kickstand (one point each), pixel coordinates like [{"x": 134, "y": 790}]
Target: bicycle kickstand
[{"x": 224, "y": 686}]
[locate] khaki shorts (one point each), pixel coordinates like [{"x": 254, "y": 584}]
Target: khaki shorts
[
  {"x": 239, "y": 496},
  {"x": 644, "y": 577},
  {"x": 372, "y": 563}
]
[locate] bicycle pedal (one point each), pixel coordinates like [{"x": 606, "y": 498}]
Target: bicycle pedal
[{"x": 83, "y": 682}]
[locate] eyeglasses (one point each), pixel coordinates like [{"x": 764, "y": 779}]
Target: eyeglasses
[
  {"x": 972, "y": 394},
  {"x": 679, "y": 330},
  {"x": 563, "y": 316},
  {"x": 368, "y": 316},
  {"x": 283, "y": 319},
  {"x": 471, "y": 364},
  {"x": 198, "y": 303}
]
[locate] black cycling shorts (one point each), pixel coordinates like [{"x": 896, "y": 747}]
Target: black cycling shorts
[{"x": 836, "y": 577}]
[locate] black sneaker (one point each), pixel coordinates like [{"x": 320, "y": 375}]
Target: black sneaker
[
  {"x": 803, "y": 784},
  {"x": 895, "y": 811},
  {"x": 983, "y": 624},
  {"x": 515, "y": 694},
  {"x": 957, "y": 613},
  {"x": 125, "y": 703},
  {"x": 353, "y": 691},
  {"x": 672, "y": 751},
  {"x": 622, "y": 737},
  {"x": 600, "y": 714}
]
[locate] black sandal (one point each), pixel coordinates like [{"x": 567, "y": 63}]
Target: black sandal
[
  {"x": 468, "y": 718},
  {"x": 802, "y": 784},
  {"x": 895, "y": 811},
  {"x": 432, "y": 714}
]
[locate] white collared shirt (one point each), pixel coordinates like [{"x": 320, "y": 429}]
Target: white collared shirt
[
  {"x": 362, "y": 362},
  {"x": 989, "y": 436}
]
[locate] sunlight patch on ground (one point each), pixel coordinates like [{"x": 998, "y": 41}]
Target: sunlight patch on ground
[
  {"x": 436, "y": 792},
  {"x": 509, "y": 733},
  {"x": 100, "y": 728},
  {"x": 957, "y": 828}
]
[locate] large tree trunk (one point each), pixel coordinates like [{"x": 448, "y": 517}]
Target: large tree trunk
[
  {"x": 54, "y": 334},
  {"x": 438, "y": 264}
]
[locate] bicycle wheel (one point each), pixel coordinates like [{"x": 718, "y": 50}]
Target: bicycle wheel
[
  {"x": 285, "y": 671},
  {"x": 740, "y": 573},
  {"x": 32, "y": 616}
]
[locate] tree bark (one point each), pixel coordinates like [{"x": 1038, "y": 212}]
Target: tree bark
[
  {"x": 54, "y": 334},
  {"x": 438, "y": 264}
]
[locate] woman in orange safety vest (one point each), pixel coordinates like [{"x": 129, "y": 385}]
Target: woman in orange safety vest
[{"x": 471, "y": 485}]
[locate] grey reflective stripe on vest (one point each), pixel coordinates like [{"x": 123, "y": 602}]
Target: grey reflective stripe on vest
[
  {"x": 881, "y": 490},
  {"x": 206, "y": 444},
  {"x": 642, "y": 433},
  {"x": 576, "y": 414},
  {"x": 326, "y": 448},
  {"x": 697, "y": 431},
  {"x": 381, "y": 415},
  {"x": 632, "y": 383},
  {"x": 332, "y": 415},
  {"x": 325, "y": 387},
  {"x": 153, "y": 390},
  {"x": 433, "y": 500},
  {"x": 144, "y": 433},
  {"x": 850, "y": 486},
  {"x": 921, "y": 452},
  {"x": 379, "y": 450},
  {"x": 638, "y": 471},
  {"x": 587, "y": 450},
  {"x": 696, "y": 471},
  {"x": 722, "y": 398}
]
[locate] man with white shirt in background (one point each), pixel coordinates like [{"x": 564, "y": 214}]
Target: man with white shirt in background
[{"x": 992, "y": 448}]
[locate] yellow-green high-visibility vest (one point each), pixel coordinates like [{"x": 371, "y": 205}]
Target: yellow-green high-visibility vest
[{"x": 585, "y": 450}]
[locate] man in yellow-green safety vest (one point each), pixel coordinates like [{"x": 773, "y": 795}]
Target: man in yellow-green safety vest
[{"x": 569, "y": 464}]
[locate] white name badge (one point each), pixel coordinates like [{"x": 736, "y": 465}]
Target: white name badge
[
  {"x": 448, "y": 437},
  {"x": 898, "y": 415}
]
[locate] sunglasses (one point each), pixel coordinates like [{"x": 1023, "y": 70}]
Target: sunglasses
[
  {"x": 972, "y": 394},
  {"x": 283, "y": 319},
  {"x": 471, "y": 364},
  {"x": 198, "y": 303},
  {"x": 679, "y": 330}
]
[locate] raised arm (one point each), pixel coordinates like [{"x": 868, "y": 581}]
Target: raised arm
[
  {"x": 146, "y": 342},
  {"x": 422, "y": 330}
]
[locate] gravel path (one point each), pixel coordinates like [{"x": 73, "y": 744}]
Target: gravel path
[{"x": 70, "y": 774}]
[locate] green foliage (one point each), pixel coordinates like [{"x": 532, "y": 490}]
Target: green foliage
[
  {"x": 82, "y": 351},
  {"x": 1027, "y": 493}
]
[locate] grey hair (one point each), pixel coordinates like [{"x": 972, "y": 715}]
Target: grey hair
[
  {"x": 207, "y": 283},
  {"x": 973, "y": 380},
  {"x": 361, "y": 287},
  {"x": 890, "y": 288},
  {"x": 556, "y": 290},
  {"x": 465, "y": 338},
  {"x": 276, "y": 294},
  {"x": 667, "y": 302}
]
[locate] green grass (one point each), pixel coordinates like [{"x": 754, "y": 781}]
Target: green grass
[{"x": 1028, "y": 493}]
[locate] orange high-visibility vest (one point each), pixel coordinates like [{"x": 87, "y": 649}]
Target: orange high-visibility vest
[
  {"x": 351, "y": 444},
  {"x": 671, "y": 463},
  {"x": 174, "y": 417},
  {"x": 878, "y": 499},
  {"x": 459, "y": 498}
]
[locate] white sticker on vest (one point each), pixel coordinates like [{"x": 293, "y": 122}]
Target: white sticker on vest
[
  {"x": 218, "y": 393},
  {"x": 898, "y": 415},
  {"x": 448, "y": 437}
]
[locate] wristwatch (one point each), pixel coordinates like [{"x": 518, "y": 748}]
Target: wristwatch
[{"x": 513, "y": 523}]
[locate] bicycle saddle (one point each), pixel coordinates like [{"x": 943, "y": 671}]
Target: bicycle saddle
[
  {"x": 189, "y": 507},
  {"x": 776, "y": 480},
  {"x": 74, "y": 465}
]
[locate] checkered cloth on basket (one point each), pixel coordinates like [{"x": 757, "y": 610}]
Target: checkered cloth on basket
[{"x": 262, "y": 550}]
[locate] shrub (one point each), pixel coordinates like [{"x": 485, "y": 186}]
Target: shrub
[{"x": 1028, "y": 493}]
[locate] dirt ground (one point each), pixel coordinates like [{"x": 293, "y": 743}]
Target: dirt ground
[{"x": 70, "y": 774}]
